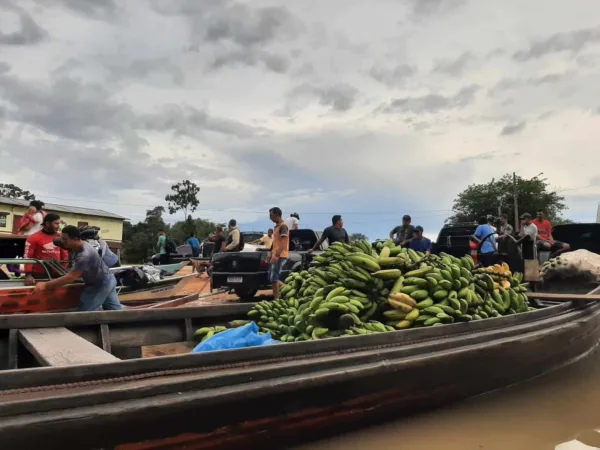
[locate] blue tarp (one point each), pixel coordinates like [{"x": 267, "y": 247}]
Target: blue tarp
[{"x": 246, "y": 336}]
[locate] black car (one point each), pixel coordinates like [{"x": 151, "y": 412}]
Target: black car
[
  {"x": 455, "y": 239},
  {"x": 247, "y": 272}
]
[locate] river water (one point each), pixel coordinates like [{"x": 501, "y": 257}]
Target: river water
[{"x": 559, "y": 411}]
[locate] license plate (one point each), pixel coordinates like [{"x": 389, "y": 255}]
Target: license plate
[{"x": 235, "y": 279}]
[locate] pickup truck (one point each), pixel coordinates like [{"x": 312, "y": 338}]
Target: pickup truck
[{"x": 247, "y": 272}]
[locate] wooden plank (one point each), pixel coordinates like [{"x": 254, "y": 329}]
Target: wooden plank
[
  {"x": 174, "y": 348},
  {"x": 168, "y": 303},
  {"x": 13, "y": 347},
  {"x": 105, "y": 337},
  {"x": 61, "y": 347},
  {"x": 189, "y": 329},
  {"x": 76, "y": 319},
  {"x": 562, "y": 297}
]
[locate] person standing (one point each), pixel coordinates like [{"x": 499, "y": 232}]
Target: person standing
[
  {"x": 484, "y": 236},
  {"x": 293, "y": 222},
  {"x": 279, "y": 249},
  {"x": 194, "y": 245},
  {"x": 100, "y": 284},
  {"x": 334, "y": 233},
  {"x": 545, "y": 241},
  {"x": 528, "y": 237},
  {"x": 161, "y": 248},
  {"x": 505, "y": 228},
  {"x": 41, "y": 246},
  {"x": 31, "y": 222},
  {"x": 234, "y": 238},
  {"x": 267, "y": 240},
  {"x": 404, "y": 232},
  {"x": 420, "y": 243},
  {"x": 219, "y": 240}
]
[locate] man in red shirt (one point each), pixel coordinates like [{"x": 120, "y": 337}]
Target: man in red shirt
[
  {"x": 41, "y": 246},
  {"x": 545, "y": 241}
]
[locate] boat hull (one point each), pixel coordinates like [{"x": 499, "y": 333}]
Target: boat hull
[{"x": 285, "y": 393}]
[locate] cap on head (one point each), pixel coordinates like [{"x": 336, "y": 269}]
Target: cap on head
[
  {"x": 406, "y": 217},
  {"x": 526, "y": 216},
  {"x": 296, "y": 215},
  {"x": 419, "y": 228}
]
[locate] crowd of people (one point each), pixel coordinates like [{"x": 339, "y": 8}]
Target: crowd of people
[
  {"x": 90, "y": 258},
  {"x": 81, "y": 249},
  {"x": 535, "y": 234}
]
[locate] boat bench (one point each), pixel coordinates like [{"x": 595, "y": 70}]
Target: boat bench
[{"x": 59, "y": 347}]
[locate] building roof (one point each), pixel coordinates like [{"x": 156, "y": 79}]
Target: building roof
[{"x": 63, "y": 208}]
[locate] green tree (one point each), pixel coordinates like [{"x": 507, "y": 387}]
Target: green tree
[
  {"x": 482, "y": 199},
  {"x": 12, "y": 191},
  {"x": 358, "y": 237},
  {"x": 140, "y": 239},
  {"x": 184, "y": 198}
]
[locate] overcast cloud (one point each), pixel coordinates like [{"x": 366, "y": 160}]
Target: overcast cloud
[{"x": 368, "y": 109}]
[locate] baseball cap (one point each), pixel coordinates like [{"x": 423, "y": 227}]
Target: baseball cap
[
  {"x": 419, "y": 228},
  {"x": 406, "y": 217},
  {"x": 526, "y": 216}
]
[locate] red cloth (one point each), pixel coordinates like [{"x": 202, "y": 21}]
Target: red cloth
[
  {"x": 544, "y": 228},
  {"x": 40, "y": 246}
]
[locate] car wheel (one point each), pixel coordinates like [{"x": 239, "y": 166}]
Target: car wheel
[{"x": 245, "y": 294}]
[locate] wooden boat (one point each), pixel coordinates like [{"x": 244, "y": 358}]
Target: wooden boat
[
  {"x": 107, "y": 388},
  {"x": 16, "y": 298}
]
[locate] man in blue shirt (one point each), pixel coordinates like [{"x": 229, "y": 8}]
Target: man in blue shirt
[
  {"x": 420, "y": 243},
  {"x": 194, "y": 245},
  {"x": 484, "y": 236}
]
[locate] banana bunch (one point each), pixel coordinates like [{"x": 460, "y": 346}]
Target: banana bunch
[
  {"x": 355, "y": 289},
  {"x": 557, "y": 267},
  {"x": 203, "y": 334}
]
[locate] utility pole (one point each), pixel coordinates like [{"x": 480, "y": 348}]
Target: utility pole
[{"x": 515, "y": 195}]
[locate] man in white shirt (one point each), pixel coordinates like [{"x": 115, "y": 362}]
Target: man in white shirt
[
  {"x": 293, "y": 222},
  {"x": 528, "y": 236}
]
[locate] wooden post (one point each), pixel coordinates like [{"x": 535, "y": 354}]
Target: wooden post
[{"x": 516, "y": 202}]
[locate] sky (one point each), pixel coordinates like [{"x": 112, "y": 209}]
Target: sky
[{"x": 370, "y": 110}]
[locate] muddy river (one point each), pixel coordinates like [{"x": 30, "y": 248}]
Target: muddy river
[{"x": 558, "y": 411}]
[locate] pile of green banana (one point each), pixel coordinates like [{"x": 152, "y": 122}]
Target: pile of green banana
[
  {"x": 204, "y": 333},
  {"x": 554, "y": 267},
  {"x": 355, "y": 289}
]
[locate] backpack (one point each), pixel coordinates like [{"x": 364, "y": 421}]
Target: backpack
[{"x": 170, "y": 247}]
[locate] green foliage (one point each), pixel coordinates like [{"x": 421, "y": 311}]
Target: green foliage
[
  {"x": 482, "y": 199},
  {"x": 140, "y": 239},
  {"x": 358, "y": 237},
  {"x": 184, "y": 197},
  {"x": 12, "y": 191}
]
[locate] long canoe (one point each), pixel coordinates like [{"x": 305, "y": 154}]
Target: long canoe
[{"x": 252, "y": 397}]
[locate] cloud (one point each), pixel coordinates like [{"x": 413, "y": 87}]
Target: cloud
[
  {"x": 513, "y": 128},
  {"x": 425, "y": 8},
  {"x": 573, "y": 41},
  {"x": 93, "y": 9},
  {"x": 394, "y": 76},
  {"x": 339, "y": 97},
  {"x": 29, "y": 33},
  {"x": 189, "y": 121},
  {"x": 454, "y": 67},
  {"x": 515, "y": 83},
  {"x": 433, "y": 103}
]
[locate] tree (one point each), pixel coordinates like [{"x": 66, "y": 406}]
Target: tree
[
  {"x": 12, "y": 191},
  {"x": 533, "y": 194},
  {"x": 358, "y": 237},
  {"x": 183, "y": 198}
]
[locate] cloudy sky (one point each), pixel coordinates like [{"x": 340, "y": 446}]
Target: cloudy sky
[{"x": 367, "y": 109}]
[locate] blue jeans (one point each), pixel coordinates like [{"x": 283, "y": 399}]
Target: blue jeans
[
  {"x": 275, "y": 270},
  {"x": 104, "y": 296}
]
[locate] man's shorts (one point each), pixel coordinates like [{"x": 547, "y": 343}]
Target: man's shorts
[
  {"x": 275, "y": 270},
  {"x": 555, "y": 246}
]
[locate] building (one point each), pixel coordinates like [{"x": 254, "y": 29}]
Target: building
[{"x": 111, "y": 225}]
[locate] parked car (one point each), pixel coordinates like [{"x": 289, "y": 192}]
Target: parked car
[
  {"x": 247, "y": 272},
  {"x": 455, "y": 239},
  {"x": 183, "y": 253},
  {"x": 580, "y": 236}
]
